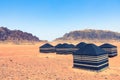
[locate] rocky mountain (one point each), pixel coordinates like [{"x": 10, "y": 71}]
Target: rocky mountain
[
  {"x": 16, "y": 35},
  {"x": 90, "y": 34}
]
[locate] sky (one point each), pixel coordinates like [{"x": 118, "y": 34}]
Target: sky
[{"x": 50, "y": 19}]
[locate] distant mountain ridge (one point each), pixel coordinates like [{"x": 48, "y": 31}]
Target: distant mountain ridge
[
  {"x": 16, "y": 35},
  {"x": 91, "y": 34}
]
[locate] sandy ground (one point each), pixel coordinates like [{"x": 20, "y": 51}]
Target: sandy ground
[{"x": 24, "y": 62}]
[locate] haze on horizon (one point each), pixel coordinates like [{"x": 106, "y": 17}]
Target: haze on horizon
[{"x": 50, "y": 19}]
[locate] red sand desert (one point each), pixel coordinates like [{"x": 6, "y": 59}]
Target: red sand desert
[{"x": 24, "y": 62}]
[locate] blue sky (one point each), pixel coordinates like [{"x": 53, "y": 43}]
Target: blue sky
[{"x": 50, "y": 19}]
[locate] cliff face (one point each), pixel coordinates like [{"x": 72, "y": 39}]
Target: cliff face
[
  {"x": 16, "y": 35},
  {"x": 91, "y": 34}
]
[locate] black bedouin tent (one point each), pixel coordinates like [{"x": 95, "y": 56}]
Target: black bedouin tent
[
  {"x": 80, "y": 45},
  {"x": 90, "y": 57},
  {"x": 64, "y": 48},
  {"x": 47, "y": 48},
  {"x": 110, "y": 49}
]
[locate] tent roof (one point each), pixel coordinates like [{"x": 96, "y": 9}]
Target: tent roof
[
  {"x": 65, "y": 45},
  {"x": 72, "y": 46},
  {"x": 81, "y": 44},
  {"x": 106, "y": 45},
  {"x": 91, "y": 50},
  {"x": 58, "y": 45},
  {"x": 47, "y": 45}
]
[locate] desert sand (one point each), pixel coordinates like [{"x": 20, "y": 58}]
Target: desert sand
[{"x": 24, "y": 62}]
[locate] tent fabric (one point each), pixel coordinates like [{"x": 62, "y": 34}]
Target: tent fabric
[
  {"x": 91, "y": 50},
  {"x": 47, "y": 48},
  {"x": 58, "y": 45},
  {"x": 80, "y": 45},
  {"x": 65, "y": 48},
  {"x": 65, "y": 45},
  {"x": 110, "y": 49},
  {"x": 106, "y": 45},
  {"x": 47, "y": 45},
  {"x": 90, "y": 57}
]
